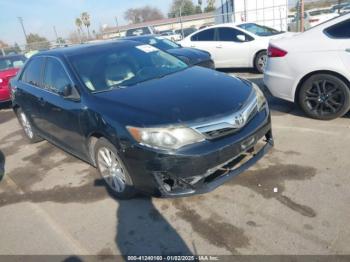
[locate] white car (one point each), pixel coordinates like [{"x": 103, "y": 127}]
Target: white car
[
  {"x": 312, "y": 69},
  {"x": 345, "y": 10},
  {"x": 318, "y": 16},
  {"x": 312, "y": 18},
  {"x": 242, "y": 45},
  {"x": 170, "y": 35}
]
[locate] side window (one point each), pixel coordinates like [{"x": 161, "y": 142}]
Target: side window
[
  {"x": 32, "y": 72},
  {"x": 230, "y": 35},
  {"x": 206, "y": 35},
  {"x": 341, "y": 30},
  {"x": 55, "y": 78}
]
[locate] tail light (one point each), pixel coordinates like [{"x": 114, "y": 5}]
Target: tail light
[
  {"x": 274, "y": 51},
  {"x": 313, "y": 20}
]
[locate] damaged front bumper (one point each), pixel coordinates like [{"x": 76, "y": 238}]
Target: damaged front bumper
[
  {"x": 214, "y": 177},
  {"x": 202, "y": 167}
]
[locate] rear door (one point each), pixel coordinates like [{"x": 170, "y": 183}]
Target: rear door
[
  {"x": 61, "y": 115},
  {"x": 340, "y": 33},
  {"x": 205, "y": 40},
  {"x": 28, "y": 91}
]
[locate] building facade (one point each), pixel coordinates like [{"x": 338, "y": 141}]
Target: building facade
[{"x": 272, "y": 13}]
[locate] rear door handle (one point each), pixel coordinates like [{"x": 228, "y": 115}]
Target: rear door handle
[
  {"x": 42, "y": 101},
  {"x": 347, "y": 50},
  {"x": 218, "y": 46}
]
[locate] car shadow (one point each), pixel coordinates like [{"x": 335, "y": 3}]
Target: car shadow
[
  {"x": 238, "y": 70},
  {"x": 2, "y": 165},
  {"x": 142, "y": 230},
  {"x": 5, "y": 105}
]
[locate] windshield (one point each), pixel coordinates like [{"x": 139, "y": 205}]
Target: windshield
[
  {"x": 161, "y": 43},
  {"x": 259, "y": 29},
  {"x": 11, "y": 62},
  {"x": 123, "y": 67}
]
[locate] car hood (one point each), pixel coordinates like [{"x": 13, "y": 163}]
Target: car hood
[
  {"x": 193, "y": 95},
  {"x": 195, "y": 56}
]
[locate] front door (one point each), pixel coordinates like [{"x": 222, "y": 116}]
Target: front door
[
  {"x": 61, "y": 116},
  {"x": 232, "y": 51}
]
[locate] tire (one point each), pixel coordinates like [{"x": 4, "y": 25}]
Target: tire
[
  {"x": 28, "y": 130},
  {"x": 324, "y": 97},
  {"x": 108, "y": 161},
  {"x": 260, "y": 61}
]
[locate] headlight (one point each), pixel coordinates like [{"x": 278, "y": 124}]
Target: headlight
[
  {"x": 165, "y": 138},
  {"x": 261, "y": 100}
]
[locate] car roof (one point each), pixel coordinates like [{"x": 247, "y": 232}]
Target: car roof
[
  {"x": 11, "y": 56},
  {"x": 138, "y": 37},
  {"x": 86, "y": 48}
]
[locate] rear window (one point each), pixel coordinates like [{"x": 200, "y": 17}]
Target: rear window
[
  {"x": 339, "y": 31},
  {"x": 138, "y": 31},
  {"x": 32, "y": 72},
  {"x": 11, "y": 62},
  {"x": 206, "y": 35}
]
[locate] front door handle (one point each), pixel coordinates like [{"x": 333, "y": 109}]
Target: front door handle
[
  {"x": 347, "y": 50},
  {"x": 218, "y": 46}
]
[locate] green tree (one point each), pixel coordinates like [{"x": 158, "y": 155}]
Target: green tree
[
  {"x": 210, "y": 6},
  {"x": 37, "y": 42},
  {"x": 198, "y": 9},
  {"x": 143, "y": 14},
  {"x": 186, "y": 6}
]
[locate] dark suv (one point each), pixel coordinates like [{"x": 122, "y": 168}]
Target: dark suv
[{"x": 145, "y": 119}]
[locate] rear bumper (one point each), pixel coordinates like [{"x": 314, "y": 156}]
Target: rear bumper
[
  {"x": 278, "y": 79},
  {"x": 197, "y": 168},
  {"x": 4, "y": 94}
]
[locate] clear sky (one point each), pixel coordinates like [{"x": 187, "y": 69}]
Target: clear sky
[{"x": 40, "y": 16}]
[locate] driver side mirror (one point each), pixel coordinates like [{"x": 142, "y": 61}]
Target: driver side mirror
[
  {"x": 241, "y": 38},
  {"x": 70, "y": 92}
]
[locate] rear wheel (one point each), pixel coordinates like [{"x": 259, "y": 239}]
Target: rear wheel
[
  {"x": 325, "y": 97},
  {"x": 260, "y": 62},
  {"x": 27, "y": 127},
  {"x": 113, "y": 170}
]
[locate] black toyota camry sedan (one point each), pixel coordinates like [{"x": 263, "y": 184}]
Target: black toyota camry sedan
[
  {"x": 145, "y": 119},
  {"x": 191, "y": 56}
]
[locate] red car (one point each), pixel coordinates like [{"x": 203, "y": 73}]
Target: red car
[{"x": 9, "y": 66}]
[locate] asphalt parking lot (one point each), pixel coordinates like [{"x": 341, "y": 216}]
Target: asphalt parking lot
[{"x": 295, "y": 201}]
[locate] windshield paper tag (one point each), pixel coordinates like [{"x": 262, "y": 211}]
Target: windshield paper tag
[{"x": 147, "y": 48}]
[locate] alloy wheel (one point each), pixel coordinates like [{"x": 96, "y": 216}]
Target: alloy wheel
[
  {"x": 324, "y": 97},
  {"x": 111, "y": 169},
  {"x": 262, "y": 62},
  {"x": 26, "y": 125}
]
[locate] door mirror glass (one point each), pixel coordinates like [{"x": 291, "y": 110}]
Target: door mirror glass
[
  {"x": 70, "y": 92},
  {"x": 66, "y": 91},
  {"x": 241, "y": 38}
]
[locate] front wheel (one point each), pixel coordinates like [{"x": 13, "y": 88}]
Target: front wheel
[
  {"x": 260, "y": 62},
  {"x": 325, "y": 97},
  {"x": 27, "y": 127},
  {"x": 113, "y": 170}
]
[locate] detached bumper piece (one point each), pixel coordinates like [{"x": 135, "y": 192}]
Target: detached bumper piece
[{"x": 173, "y": 186}]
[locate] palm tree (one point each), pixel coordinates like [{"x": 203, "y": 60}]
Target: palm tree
[
  {"x": 78, "y": 24},
  {"x": 85, "y": 18}
]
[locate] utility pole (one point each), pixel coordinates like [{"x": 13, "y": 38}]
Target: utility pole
[
  {"x": 54, "y": 30},
  {"x": 117, "y": 24},
  {"x": 20, "y": 19},
  {"x": 302, "y": 9},
  {"x": 182, "y": 29}
]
